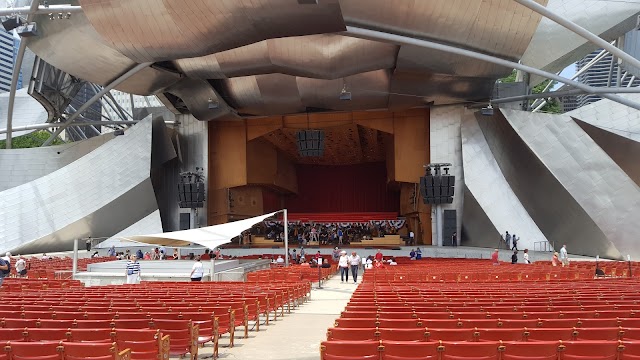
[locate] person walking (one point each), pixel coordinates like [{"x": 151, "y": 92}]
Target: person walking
[
  {"x": 354, "y": 261},
  {"x": 21, "y": 267},
  {"x": 526, "y": 256},
  {"x": 133, "y": 270},
  {"x": 507, "y": 239},
  {"x": 454, "y": 239},
  {"x": 343, "y": 264},
  {"x": 514, "y": 241},
  {"x": 197, "y": 271},
  {"x": 564, "y": 257}
]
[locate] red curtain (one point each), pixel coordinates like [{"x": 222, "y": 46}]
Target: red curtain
[
  {"x": 348, "y": 188},
  {"x": 270, "y": 201}
]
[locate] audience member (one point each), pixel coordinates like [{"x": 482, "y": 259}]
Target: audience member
[
  {"x": 526, "y": 256},
  {"x": 343, "y": 264},
  {"x": 393, "y": 262},
  {"x": 147, "y": 256},
  {"x": 95, "y": 255},
  {"x": 112, "y": 251},
  {"x": 21, "y": 267},
  {"x": 554, "y": 260},
  {"x": 494, "y": 257},
  {"x": 354, "y": 261},
  {"x": 133, "y": 270},
  {"x": 197, "y": 270},
  {"x": 514, "y": 257},
  {"x": 279, "y": 260},
  {"x": 564, "y": 257},
  {"x": 412, "y": 254},
  {"x": 335, "y": 254},
  {"x": 206, "y": 255},
  {"x": 418, "y": 254},
  {"x": 139, "y": 254},
  {"x": 4, "y": 269},
  {"x": 379, "y": 256},
  {"x": 325, "y": 264}
]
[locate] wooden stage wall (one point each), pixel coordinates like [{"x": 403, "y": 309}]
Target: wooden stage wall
[{"x": 249, "y": 175}]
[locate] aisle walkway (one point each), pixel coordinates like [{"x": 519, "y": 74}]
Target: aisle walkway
[{"x": 297, "y": 335}]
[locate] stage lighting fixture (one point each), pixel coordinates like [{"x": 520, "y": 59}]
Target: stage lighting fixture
[
  {"x": 213, "y": 104},
  {"x": 68, "y": 16},
  {"x": 311, "y": 143},
  {"x": 28, "y": 30},
  {"x": 12, "y": 23},
  {"x": 487, "y": 111},
  {"x": 345, "y": 95},
  {"x": 51, "y": 17}
]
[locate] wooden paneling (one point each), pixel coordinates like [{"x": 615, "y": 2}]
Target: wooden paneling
[
  {"x": 262, "y": 126},
  {"x": 411, "y": 146},
  {"x": 227, "y": 155},
  {"x": 246, "y": 201},
  {"x": 267, "y": 166}
]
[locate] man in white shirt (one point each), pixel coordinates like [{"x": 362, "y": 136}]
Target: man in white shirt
[
  {"x": 197, "y": 271},
  {"x": 354, "y": 261},
  {"x": 564, "y": 257},
  {"x": 343, "y": 264},
  {"x": 280, "y": 260},
  {"x": 21, "y": 267}
]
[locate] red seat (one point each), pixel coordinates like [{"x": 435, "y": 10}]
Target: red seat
[
  {"x": 145, "y": 344},
  {"x": 183, "y": 334},
  {"x": 418, "y": 334},
  {"x": 349, "y": 350},
  {"x": 46, "y": 334},
  {"x": 603, "y": 333},
  {"x": 451, "y": 334},
  {"x": 518, "y": 324},
  {"x": 558, "y": 323},
  {"x": 11, "y": 334},
  {"x": 631, "y": 350},
  {"x": 352, "y": 334},
  {"x": 131, "y": 324},
  {"x": 409, "y": 350},
  {"x": 589, "y": 323},
  {"x": 542, "y": 334},
  {"x": 630, "y": 334},
  {"x": 20, "y": 323},
  {"x": 33, "y": 350},
  {"x": 93, "y": 351},
  {"x": 587, "y": 350},
  {"x": 500, "y": 334},
  {"x": 446, "y": 324},
  {"x": 95, "y": 335},
  {"x": 93, "y": 324},
  {"x": 400, "y": 323},
  {"x": 56, "y": 324},
  {"x": 470, "y": 350},
  {"x": 629, "y": 322},
  {"x": 539, "y": 350}
]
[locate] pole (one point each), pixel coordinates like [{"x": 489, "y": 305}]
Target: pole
[
  {"x": 74, "y": 269},
  {"x": 286, "y": 237},
  {"x": 212, "y": 271},
  {"x": 597, "y": 267},
  {"x": 319, "y": 273},
  {"x": 629, "y": 261},
  {"x": 439, "y": 215}
]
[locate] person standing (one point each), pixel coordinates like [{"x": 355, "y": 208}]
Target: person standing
[
  {"x": 343, "y": 264},
  {"x": 4, "y": 269},
  {"x": 494, "y": 257},
  {"x": 507, "y": 239},
  {"x": 21, "y": 267},
  {"x": 379, "y": 256},
  {"x": 526, "y": 256},
  {"x": 514, "y": 257},
  {"x": 340, "y": 236},
  {"x": 354, "y": 261},
  {"x": 514, "y": 241},
  {"x": 88, "y": 244},
  {"x": 564, "y": 257},
  {"x": 454, "y": 239},
  {"x": 411, "y": 238},
  {"x": 133, "y": 270},
  {"x": 112, "y": 251},
  {"x": 197, "y": 271},
  {"x": 336, "y": 254}
]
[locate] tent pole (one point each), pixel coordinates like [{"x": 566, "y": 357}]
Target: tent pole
[
  {"x": 213, "y": 268},
  {"x": 286, "y": 238}
]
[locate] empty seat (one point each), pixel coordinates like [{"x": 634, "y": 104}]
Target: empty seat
[
  {"x": 95, "y": 335},
  {"x": 399, "y": 323},
  {"x": 34, "y": 350},
  {"x": 518, "y": 324},
  {"x": 46, "y": 334},
  {"x": 352, "y": 334},
  {"x": 451, "y": 334},
  {"x": 631, "y": 350},
  {"x": 349, "y": 350},
  {"x": 356, "y": 323},
  {"x": 131, "y": 324},
  {"x": 558, "y": 323},
  {"x": 500, "y": 334},
  {"x": 469, "y": 350},
  {"x": 418, "y": 334},
  {"x": 589, "y": 323},
  {"x": 539, "y": 350},
  {"x": 56, "y": 324},
  {"x": 93, "y": 351},
  {"x": 409, "y": 350},
  {"x": 603, "y": 333},
  {"x": 592, "y": 349},
  {"x": 144, "y": 344},
  {"x": 183, "y": 334},
  {"x": 11, "y": 334},
  {"x": 630, "y": 334},
  {"x": 542, "y": 334},
  {"x": 93, "y": 324},
  {"x": 20, "y": 323}
]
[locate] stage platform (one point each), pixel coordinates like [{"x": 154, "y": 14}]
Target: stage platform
[{"x": 113, "y": 272}]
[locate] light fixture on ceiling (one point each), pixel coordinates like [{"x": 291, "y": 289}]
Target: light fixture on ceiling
[
  {"x": 344, "y": 94},
  {"x": 51, "y": 17},
  {"x": 213, "y": 104},
  {"x": 487, "y": 111},
  {"x": 12, "y": 22}
]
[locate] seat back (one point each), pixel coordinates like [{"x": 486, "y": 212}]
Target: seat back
[
  {"x": 350, "y": 350},
  {"x": 95, "y": 335},
  {"x": 46, "y": 334},
  {"x": 92, "y": 351},
  {"x": 404, "y": 350},
  {"x": 539, "y": 350},
  {"x": 49, "y": 350},
  {"x": 144, "y": 343},
  {"x": 590, "y": 350}
]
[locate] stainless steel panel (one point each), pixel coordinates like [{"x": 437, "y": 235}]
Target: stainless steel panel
[
  {"x": 83, "y": 198},
  {"x": 477, "y": 229},
  {"x": 26, "y": 109},
  {"x": 150, "y": 224},
  {"x": 490, "y": 191},
  {"x": 325, "y": 56},
  {"x": 611, "y": 116},
  {"x": 632, "y": 46},
  {"x": 198, "y": 95},
  {"x": 159, "y": 30},
  {"x": 625, "y": 152}
]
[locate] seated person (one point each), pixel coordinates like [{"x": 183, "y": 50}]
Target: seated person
[
  {"x": 147, "y": 256},
  {"x": 393, "y": 262},
  {"x": 280, "y": 260},
  {"x": 412, "y": 254},
  {"x": 378, "y": 264},
  {"x": 304, "y": 264},
  {"x": 325, "y": 264}
]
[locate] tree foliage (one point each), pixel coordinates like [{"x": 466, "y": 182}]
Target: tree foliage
[
  {"x": 35, "y": 139},
  {"x": 552, "y": 106}
]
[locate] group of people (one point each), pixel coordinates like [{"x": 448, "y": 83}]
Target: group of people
[
  {"x": 324, "y": 233},
  {"x": 562, "y": 258},
  {"x": 5, "y": 266},
  {"x": 511, "y": 241},
  {"x": 558, "y": 259}
]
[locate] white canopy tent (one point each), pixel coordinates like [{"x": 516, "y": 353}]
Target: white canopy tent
[{"x": 209, "y": 237}]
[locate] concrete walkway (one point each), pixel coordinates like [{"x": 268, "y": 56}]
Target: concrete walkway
[{"x": 296, "y": 336}]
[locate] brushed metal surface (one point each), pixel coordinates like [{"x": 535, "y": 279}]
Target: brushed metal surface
[
  {"x": 624, "y": 151},
  {"x": 323, "y": 56},
  {"x": 558, "y": 215},
  {"x": 83, "y": 198},
  {"x": 198, "y": 95},
  {"x": 611, "y": 116},
  {"x": 160, "y": 30},
  {"x": 491, "y": 191},
  {"x": 477, "y": 229}
]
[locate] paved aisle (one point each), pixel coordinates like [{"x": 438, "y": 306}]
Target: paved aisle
[{"x": 297, "y": 335}]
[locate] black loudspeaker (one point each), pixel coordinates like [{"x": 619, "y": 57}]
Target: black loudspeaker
[
  {"x": 311, "y": 143},
  {"x": 438, "y": 189},
  {"x": 449, "y": 227},
  {"x": 185, "y": 221},
  {"x": 191, "y": 195}
]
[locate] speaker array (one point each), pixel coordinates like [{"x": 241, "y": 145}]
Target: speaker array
[
  {"x": 311, "y": 143},
  {"x": 191, "y": 195},
  {"x": 438, "y": 189}
]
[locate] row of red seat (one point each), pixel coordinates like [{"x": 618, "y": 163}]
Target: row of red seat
[
  {"x": 490, "y": 350},
  {"x": 141, "y": 343},
  {"x": 63, "y": 351}
]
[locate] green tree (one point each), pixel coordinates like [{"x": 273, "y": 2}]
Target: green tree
[
  {"x": 35, "y": 139},
  {"x": 552, "y": 106}
]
